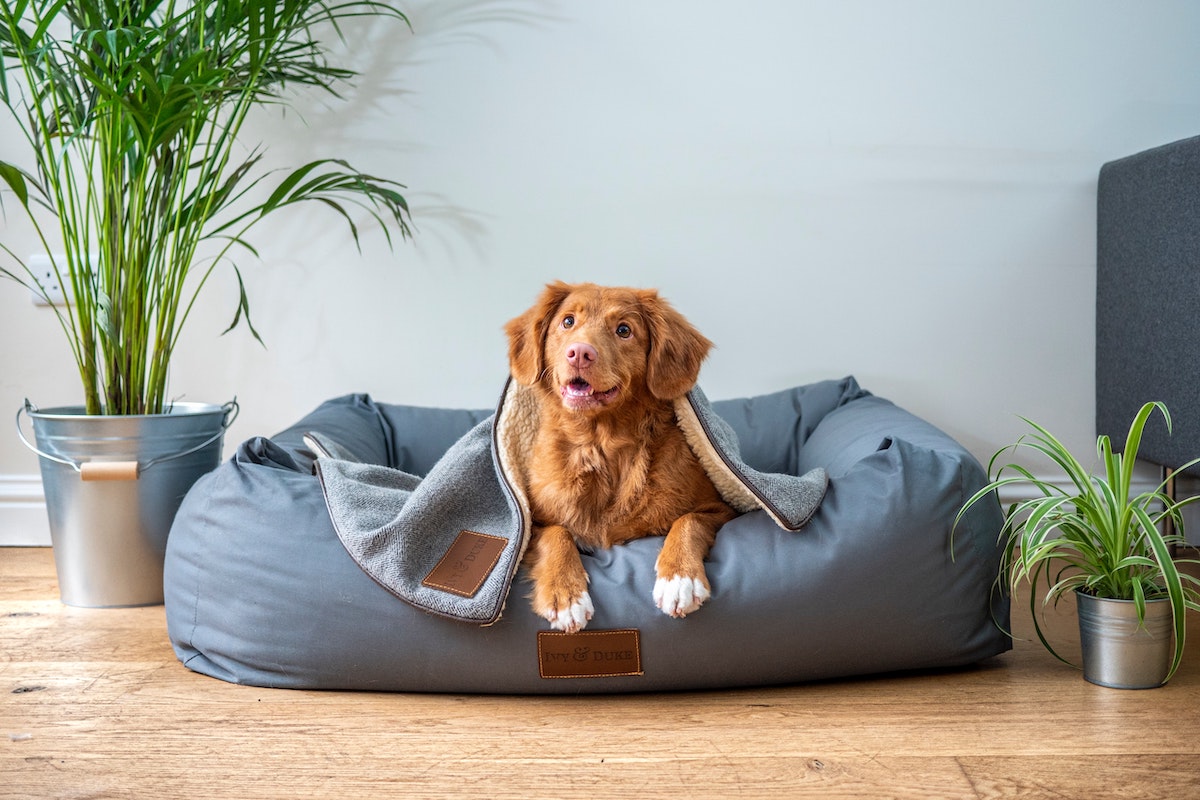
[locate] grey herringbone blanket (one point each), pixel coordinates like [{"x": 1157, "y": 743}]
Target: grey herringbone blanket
[{"x": 451, "y": 542}]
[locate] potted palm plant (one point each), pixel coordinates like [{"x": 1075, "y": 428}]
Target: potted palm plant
[
  {"x": 138, "y": 187},
  {"x": 1094, "y": 540}
]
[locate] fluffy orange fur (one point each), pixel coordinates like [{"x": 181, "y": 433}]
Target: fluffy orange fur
[{"x": 609, "y": 463}]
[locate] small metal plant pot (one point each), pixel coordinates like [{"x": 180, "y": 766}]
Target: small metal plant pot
[{"x": 1118, "y": 651}]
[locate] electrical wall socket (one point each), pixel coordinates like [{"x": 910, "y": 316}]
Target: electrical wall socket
[{"x": 56, "y": 293}]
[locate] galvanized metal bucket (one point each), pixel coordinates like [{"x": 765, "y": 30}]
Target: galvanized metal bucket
[
  {"x": 113, "y": 485},
  {"x": 1118, "y": 651}
]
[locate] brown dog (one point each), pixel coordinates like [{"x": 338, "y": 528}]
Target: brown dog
[{"x": 609, "y": 463}]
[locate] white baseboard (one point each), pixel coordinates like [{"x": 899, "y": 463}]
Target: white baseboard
[
  {"x": 1015, "y": 494},
  {"x": 23, "y": 512}
]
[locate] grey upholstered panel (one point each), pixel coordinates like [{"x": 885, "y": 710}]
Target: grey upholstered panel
[
  {"x": 1148, "y": 297},
  {"x": 260, "y": 591}
]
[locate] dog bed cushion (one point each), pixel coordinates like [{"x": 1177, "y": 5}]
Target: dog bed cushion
[{"x": 261, "y": 591}]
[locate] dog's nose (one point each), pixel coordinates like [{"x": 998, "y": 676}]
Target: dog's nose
[{"x": 581, "y": 355}]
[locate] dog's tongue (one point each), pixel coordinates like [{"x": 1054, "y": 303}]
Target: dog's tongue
[
  {"x": 579, "y": 388},
  {"x": 580, "y": 394}
]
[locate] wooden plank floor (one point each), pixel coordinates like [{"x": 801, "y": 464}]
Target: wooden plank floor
[{"x": 93, "y": 704}]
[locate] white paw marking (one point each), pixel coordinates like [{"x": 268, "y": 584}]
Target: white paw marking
[
  {"x": 679, "y": 596},
  {"x": 573, "y": 618}
]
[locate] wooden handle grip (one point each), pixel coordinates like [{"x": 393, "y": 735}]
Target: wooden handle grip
[{"x": 109, "y": 471}]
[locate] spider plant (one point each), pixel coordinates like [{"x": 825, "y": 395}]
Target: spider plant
[
  {"x": 131, "y": 111},
  {"x": 1091, "y": 536}
]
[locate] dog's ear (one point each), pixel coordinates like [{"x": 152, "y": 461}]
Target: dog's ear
[
  {"x": 527, "y": 333},
  {"x": 676, "y": 349}
]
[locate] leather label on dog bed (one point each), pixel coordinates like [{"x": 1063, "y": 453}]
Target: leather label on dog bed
[
  {"x": 590, "y": 654},
  {"x": 466, "y": 564}
]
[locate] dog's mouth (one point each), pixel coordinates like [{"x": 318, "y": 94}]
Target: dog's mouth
[{"x": 578, "y": 393}]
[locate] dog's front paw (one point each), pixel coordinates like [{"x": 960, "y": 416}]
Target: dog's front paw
[
  {"x": 680, "y": 595},
  {"x": 568, "y": 617},
  {"x": 559, "y": 580}
]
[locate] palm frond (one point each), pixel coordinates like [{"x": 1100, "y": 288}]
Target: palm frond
[{"x": 132, "y": 110}]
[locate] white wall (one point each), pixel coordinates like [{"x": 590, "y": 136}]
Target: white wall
[{"x": 902, "y": 191}]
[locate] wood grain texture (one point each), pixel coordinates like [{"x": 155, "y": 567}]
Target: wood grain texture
[{"x": 93, "y": 704}]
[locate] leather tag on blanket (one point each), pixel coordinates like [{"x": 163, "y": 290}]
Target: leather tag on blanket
[
  {"x": 466, "y": 564},
  {"x": 590, "y": 654}
]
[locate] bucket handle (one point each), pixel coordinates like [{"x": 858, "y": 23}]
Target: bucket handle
[{"x": 123, "y": 470}]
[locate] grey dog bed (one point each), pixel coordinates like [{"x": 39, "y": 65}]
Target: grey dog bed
[{"x": 261, "y": 591}]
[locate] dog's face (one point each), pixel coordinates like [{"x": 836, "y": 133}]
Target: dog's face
[{"x": 596, "y": 347}]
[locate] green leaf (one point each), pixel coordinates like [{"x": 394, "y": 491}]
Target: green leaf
[{"x": 15, "y": 179}]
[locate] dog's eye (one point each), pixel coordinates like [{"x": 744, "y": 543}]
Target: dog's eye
[
  {"x": 568, "y": 321},
  {"x": 624, "y": 331}
]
